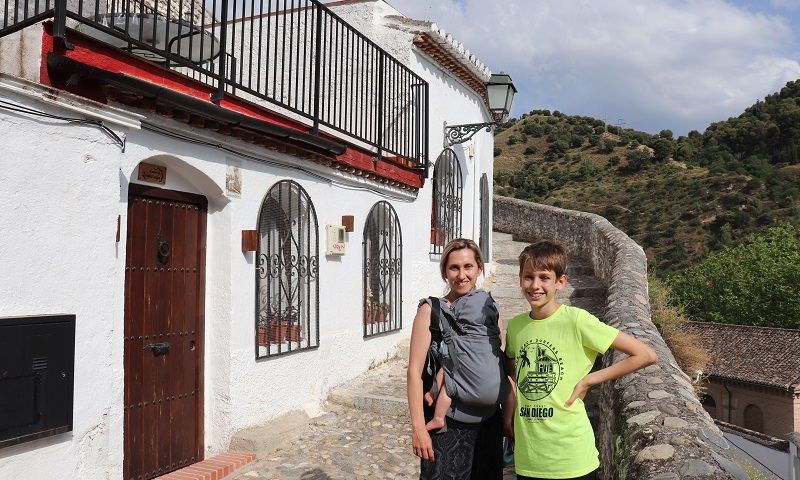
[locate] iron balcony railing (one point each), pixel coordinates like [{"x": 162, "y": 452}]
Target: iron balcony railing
[{"x": 297, "y": 55}]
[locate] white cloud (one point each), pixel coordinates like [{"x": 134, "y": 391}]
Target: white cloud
[{"x": 656, "y": 63}]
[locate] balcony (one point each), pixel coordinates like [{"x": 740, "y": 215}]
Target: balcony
[{"x": 295, "y": 57}]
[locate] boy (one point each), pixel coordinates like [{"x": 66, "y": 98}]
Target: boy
[{"x": 550, "y": 352}]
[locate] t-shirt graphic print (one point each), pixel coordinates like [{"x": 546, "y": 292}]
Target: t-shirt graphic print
[{"x": 551, "y": 355}]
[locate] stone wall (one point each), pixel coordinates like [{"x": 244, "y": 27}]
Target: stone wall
[{"x": 651, "y": 424}]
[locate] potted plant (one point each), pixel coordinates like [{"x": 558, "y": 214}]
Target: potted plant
[
  {"x": 278, "y": 327},
  {"x": 376, "y": 312},
  {"x": 438, "y": 236}
]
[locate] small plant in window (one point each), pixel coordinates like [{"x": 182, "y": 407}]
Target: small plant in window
[
  {"x": 279, "y": 325},
  {"x": 376, "y": 311}
]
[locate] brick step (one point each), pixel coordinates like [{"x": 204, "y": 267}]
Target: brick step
[{"x": 214, "y": 468}]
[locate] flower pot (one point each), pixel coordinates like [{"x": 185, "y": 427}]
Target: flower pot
[
  {"x": 262, "y": 335},
  {"x": 375, "y": 315},
  {"x": 438, "y": 237}
]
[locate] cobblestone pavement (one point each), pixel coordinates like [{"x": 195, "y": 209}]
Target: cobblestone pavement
[
  {"x": 364, "y": 432},
  {"x": 342, "y": 444}
]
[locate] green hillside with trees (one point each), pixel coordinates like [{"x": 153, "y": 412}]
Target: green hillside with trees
[
  {"x": 704, "y": 206},
  {"x": 680, "y": 198}
]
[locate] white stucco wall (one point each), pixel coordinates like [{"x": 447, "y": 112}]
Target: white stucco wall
[{"x": 63, "y": 187}]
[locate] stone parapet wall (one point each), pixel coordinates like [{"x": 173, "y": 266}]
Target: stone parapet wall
[{"x": 651, "y": 423}]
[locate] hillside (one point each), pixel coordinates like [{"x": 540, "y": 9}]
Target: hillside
[{"x": 678, "y": 198}]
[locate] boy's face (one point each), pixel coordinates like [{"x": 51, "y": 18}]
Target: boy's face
[{"x": 539, "y": 288}]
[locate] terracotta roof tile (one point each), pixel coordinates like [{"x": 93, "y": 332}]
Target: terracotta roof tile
[{"x": 759, "y": 355}]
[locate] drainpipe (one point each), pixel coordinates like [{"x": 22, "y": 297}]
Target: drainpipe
[{"x": 729, "y": 403}]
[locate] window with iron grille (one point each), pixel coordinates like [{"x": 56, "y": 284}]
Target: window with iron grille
[
  {"x": 287, "y": 288},
  {"x": 447, "y": 197},
  {"x": 485, "y": 226},
  {"x": 383, "y": 271}
]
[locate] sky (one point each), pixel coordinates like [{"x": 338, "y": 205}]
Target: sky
[{"x": 645, "y": 64}]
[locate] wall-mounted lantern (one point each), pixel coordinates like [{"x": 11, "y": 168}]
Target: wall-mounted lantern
[{"x": 500, "y": 90}]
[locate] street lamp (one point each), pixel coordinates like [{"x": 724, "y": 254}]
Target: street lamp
[{"x": 500, "y": 90}]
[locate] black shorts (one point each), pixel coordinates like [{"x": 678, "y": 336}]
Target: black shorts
[{"x": 467, "y": 452}]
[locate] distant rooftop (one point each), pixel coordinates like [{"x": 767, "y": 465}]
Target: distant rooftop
[{"x": 757, "y": 355}]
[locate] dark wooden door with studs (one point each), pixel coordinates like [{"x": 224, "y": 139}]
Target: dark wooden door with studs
[{"x": 164, "y": 307}]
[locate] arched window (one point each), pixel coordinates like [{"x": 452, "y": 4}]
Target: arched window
[
  {"x": 447, "y": 196},
  {"x": 287, "y": 291},
  {"x": 383, "y": 271},
  {"x": 485, "y": 226},
  {"x": 709, "y": 405},
  {"x": 753, "y": 418}
]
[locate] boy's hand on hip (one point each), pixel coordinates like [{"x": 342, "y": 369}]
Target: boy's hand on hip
[{"x": 578, "y": 392}]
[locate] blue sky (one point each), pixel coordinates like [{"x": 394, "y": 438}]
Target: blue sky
[{"x": 648, "y": 64}]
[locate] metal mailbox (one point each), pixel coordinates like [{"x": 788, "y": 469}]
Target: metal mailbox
[{"x": 37, "y": 358}]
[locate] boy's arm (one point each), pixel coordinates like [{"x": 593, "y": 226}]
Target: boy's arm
[{"x": 639, "y": 356}]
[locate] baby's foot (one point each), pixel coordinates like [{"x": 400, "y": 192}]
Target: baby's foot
[
  {"x": 428, "y": 398},
  {"x": 435, "y": 424}
]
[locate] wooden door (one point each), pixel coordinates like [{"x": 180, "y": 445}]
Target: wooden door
[{"x": 164, "y": 306}]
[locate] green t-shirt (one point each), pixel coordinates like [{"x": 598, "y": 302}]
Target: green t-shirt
[{"x": 551, "y": 356}]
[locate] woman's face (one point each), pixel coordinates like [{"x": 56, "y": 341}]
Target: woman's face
[{"x": 462, "y": 271}]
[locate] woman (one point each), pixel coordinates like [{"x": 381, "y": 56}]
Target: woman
[{"x": 470, "y": 447}]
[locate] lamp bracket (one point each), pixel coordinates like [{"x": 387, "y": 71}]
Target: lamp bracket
[{"x": 454, "y": 134}]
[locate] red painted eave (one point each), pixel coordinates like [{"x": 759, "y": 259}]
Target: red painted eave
[{"x": 98, "y": 55}]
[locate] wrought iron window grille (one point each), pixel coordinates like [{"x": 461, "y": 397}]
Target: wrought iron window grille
[
  {"x": 287, "y": 282},
  {"x": 448, "y": 191},
  {"x": 383, "y": 271}
]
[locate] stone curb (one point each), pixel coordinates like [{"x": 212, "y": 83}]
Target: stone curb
[{"x": 384, "y": 405}]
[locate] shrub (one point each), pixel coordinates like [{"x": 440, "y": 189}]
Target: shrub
[
  {"x": 668, "y": 318},
  {"x": 608, "y": 146},
  {"x": 531, "y": 150},
  {"x": 497, "y": 151},
  {"x": 512, "y": 139},
  {"x": 575, "y": 141},
  {"x": 637, "y": 160}
]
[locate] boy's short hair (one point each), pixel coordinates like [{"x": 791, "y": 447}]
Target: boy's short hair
[{"x": 544, "y": 255}]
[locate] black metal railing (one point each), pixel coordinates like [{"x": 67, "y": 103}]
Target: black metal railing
[{"x": 295, "y": 54}]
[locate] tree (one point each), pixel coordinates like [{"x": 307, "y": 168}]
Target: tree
[
  {"x": 662, "y": 148},
  {"x": 637, "y": 160},
  {"x": 754, "y": 283},
  {"x": 666, "y": 134}
]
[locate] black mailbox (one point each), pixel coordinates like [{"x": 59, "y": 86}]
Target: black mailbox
[{"x": 37, "y": 358}]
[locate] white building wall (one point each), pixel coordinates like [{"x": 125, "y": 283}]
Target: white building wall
[{"x": 64, "y": 187}]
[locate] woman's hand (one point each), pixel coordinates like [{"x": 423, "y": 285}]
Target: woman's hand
[
  {"x": 579, "y": 391},
  {"x": 421, "y": 442}
]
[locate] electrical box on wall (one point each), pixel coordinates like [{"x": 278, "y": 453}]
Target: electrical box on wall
[
  {"x": 37, "y": 361},
  {"x": 335, "y": 239}
]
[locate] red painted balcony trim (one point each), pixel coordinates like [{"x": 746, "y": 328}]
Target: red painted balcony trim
[{"x": 95, "y": 54}]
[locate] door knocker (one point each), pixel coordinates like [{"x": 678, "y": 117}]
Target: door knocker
[{"x": 163, "y": 249}]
